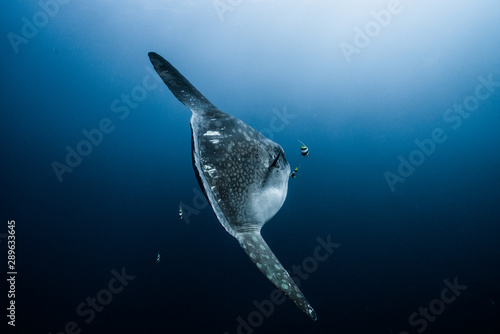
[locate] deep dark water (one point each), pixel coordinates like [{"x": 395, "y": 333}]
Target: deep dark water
[{"x": 117, "y": 209}]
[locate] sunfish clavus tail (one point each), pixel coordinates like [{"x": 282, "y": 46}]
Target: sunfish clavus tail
[{"x": 243, "y": 174}]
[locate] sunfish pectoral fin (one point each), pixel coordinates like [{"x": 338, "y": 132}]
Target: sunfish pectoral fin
[
  {"x": 183, "y": 90},
  {"x": 260, "y": 254}
]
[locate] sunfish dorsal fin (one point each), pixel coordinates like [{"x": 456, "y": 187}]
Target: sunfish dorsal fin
[
  {"x": 183, "y": 90},
  {"x": 263, "y": 257}
]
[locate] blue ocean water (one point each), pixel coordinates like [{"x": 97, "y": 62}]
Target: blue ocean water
[{"x": 398, "y": 102}]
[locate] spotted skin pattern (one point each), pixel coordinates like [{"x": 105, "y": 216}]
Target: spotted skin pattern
[
  {"x": 260, "y": 254},
  {"x": 243, "y": 174}
]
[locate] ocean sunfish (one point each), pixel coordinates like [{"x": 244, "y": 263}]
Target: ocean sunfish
[{"x": 243, "y": 174}]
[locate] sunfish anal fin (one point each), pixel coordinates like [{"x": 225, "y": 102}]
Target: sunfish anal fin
[{"x": 263, "y": 257}]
